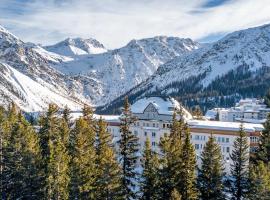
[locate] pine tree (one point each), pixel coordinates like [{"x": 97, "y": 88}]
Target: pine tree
[
  {"x": 210, "y": 183},
  {"x": 267, "y": 98},
  {"x": 149, "y": 179},
  {"x": 108, "y": 169},
  {"x": 53, "y": 141},
  {"x": 197, "y": 113},
  {"x": 264, "y": 148},
  {"x": 187, "y": 187},
  {"x": 171, "y": 159},
  {"x": 175, "y": 195},
  {"x": 24, "y": 162},
  {"x": 83, "y": 169},
  {"x": 66, "y": 117},
  {"x": 2, "y": 146},
  {"x": 8, "y": 120},
  {"x": 239, "y": 166},
  {"x": 128, "y": 145},
  {"x": 259, "y": 186}
]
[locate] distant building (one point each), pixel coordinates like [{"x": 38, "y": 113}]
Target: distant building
[
  {"x": 154, "y": 118},
  {"x": 246, "y": 110}
]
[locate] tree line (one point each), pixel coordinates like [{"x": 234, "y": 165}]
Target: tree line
[{"x": 62, "y": 158}]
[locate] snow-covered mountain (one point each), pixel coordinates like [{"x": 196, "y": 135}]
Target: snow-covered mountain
[
  {"x": 237, "y": 63},
  {"x": 106, "y": 76},
  {"x": 28, "y": 79},
  {"x": 77, "y": 46},
  {"x": 78, "y": 71}
]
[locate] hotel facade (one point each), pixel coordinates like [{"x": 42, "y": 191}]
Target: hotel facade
[{"x": 154, "y": 118}]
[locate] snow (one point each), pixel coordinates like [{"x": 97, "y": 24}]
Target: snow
[
  {"x": 35, "y": 96},
  {"x": 164, "y": 106},
  {"x": 219, "y": 125},
  {"x": 114, "y": 72},
  {"x": 107, "y": 118},
  {"x": 243, "y": 48},
  {"x": 211, "y": 114},
  {"x": 73, "y": 47}
]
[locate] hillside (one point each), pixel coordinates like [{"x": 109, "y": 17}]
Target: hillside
[{"x": 220, "y": 73}]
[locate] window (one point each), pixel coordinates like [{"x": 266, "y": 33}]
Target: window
[
  {"x": 138, "y": 123},
  {"x": 227, "y": 140},
  {"x": 154, "y": 125},
  {"x": 147, "y": 125},
  {"x": 153, "y": 134},
  {"x": 228, "y": 149},
  {"x": 223, "y": 139},
  {"x": 135, "y": 132},
  {"x": 153, "y": 144},
  {"x": 145, "y": 133},
  {"x": 143, "y": 124},
  {"x": 164, "y": 125},
  {"x": 197, "y": 146},
  {"x": 197, "y": 137}
]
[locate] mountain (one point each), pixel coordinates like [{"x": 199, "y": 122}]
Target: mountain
[
  {"x": 237, "y": 65},
  {"x": 77, "y": 46},
  {"x": 28, "y": 79},
  {"x": 77, "y": 71},
  {"x": 108, "y": 75}
]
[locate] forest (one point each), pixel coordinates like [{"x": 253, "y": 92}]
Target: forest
[{"x": 65, "y": 158}]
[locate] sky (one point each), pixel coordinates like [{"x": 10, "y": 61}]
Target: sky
[{"x": 115, "y": 22}]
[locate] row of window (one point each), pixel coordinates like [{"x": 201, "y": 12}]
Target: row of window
[
  {"x": 254, "y": 139},
  {"x": 203, "y": 138},
  {"x": 224, "y": 149},
  {"x": 155, "y": 125},
  {"x": 153, "y": 134}
]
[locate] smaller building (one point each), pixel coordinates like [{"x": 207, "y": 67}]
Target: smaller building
[{"x": 246, "y": 110}]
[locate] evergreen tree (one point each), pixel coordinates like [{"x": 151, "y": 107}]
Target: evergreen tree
[
  {"x": 149, "y": 179},
  {"x": 210, "y": 174},
  {"x": 259, "y": 186},
  {"x": 53, "y": 141},
  {"x": 187, "y": 187},
  {"x": 175, "y": 195},
  {"x": 239, "y": 166},
  {"x": 128, "y": 145},
  {"x": 264, "y": 148},
  {"x": 66, "y": 117},
  {"x": 171, "y": 159},
  {"x": 83, "y": 169},
  {"x": 197, "y": 113},
  {"x": 2, "y": 147},
  {"x": 108, "y": 169},
  {"x": 23, "y": 162},
  {"x": 8, "y": 120},
  {"x": 267, "y": 98}
]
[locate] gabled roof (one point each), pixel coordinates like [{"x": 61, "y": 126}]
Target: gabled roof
[{"x": 164, "y": 106}]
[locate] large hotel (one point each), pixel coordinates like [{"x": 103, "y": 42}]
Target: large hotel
[{"x": 154, "y": 118}]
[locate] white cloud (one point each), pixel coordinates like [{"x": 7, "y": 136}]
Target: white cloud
[{"x": 115, "y": 22}]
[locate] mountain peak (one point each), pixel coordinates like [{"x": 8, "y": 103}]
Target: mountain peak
[{"x": 77, "y": 46}]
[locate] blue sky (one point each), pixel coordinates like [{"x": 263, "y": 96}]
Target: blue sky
[{"x": 115, "y": 22}]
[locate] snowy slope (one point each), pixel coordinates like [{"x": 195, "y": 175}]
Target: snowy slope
[
  {"x": 29, "y": 94},
  {"x": 246, "y": 49},
  {"x": 77, "y": 46},
  {"x": 33, "y": 65},
  {"x": 108, "y": 75}
]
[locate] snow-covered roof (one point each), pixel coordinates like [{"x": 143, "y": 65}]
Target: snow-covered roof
[
  {"x": 211, "y": 114},
  {"x": 164, "y": 106},
  {"x": 229, "y": 126},
  {"x": 107, "y": 118}
]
